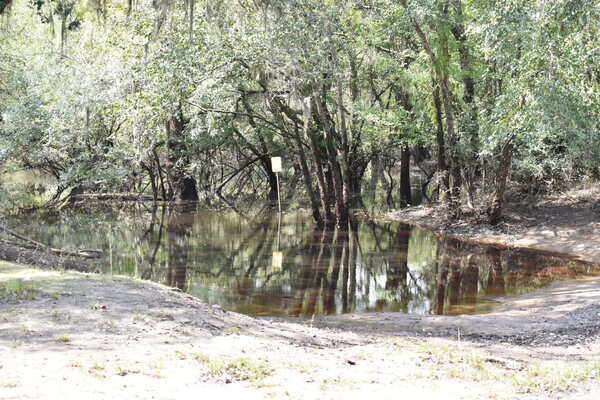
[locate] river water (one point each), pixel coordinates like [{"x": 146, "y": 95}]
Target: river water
[{"x": 258, "y": 264}]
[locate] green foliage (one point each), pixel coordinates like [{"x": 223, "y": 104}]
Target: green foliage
[
  {"x": 542, "y": 56},
  {"x": 92, "y": 107}
]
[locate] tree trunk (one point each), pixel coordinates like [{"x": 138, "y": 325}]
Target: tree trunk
[
  {"x": 388, "y": 185},
  {"x": 265, "y": 162},
  {"x": 335, "y": 160},
  {"x": 494, "y": 210},
  {"x": 442, "y": 167},
  {"x": 355, "y": 188},
  {"x": 345, "y": 184},
  {"x": 443, "y": 70},
  {"x": 63, "y": 34},
  {"x": 321, "y": 178},
  {"x": 376, "y": 171},
  {"x": 455, "y": 174},
  {"x": 405, "y": 192},
  {"x": 262, "y": 152},
  {"x": 341, "y": 207},
  {"x": 191, "y": 19},
  {"x": 314, "y": 198},
  {"x": 470, "y": 124},
  {"x": 183, "y": 185},
  {"x": 403, "y": 98}
]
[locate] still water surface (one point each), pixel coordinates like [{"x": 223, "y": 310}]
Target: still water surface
[{"x": 259, "y": 265}]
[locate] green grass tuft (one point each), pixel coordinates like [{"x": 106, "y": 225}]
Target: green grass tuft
[
  {"x": 239, "y": 369},
  {"x": 18, "y": 289}
]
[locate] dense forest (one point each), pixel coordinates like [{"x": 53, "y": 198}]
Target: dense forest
[{"x": 184, "y": 100}]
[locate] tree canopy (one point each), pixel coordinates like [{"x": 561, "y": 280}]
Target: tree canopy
[{"x": 185, "y": 99}]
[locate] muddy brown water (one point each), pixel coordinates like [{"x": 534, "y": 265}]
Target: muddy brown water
[{"x": 261, "y": 265}]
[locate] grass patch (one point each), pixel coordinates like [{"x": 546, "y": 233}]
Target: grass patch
[
  {"x": 337, "y": 382},
  {"x": 97, "y": 367},
  {"x": 555, "y": 377},
  {"x": 164, "y": 315},
  {"x": 303, "y": 367},
  {"x": 24, "y": 282},
  {"x": 106, "y": 325},
  {"x": 443, "y": 361},
  {"x": 449, "y": 360},
  {"x": 122, "y": 371},
  {"x": 139, "y": 317},
  {"x": 456, "y": 362},
  {"x": 63, "y": 339},
  {"x": 237, "y": 369},
  {"x": 18, "y": 289},
  {"x": 200, "y": 357},
  {"x": 235, "y": 330},
  {"x": 181, "y": 355},
  {"x": 97, "y": 370}
]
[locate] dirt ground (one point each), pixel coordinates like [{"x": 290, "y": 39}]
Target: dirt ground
[
  {"x": 566, "y": 223},
  {"x": 71, "y": 335}
]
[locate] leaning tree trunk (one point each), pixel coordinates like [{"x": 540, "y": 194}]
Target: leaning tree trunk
[
  {"x": 494, "y": 210},
  {"x": 265, "y": 162},
  {"x": 306, "y": 176}
]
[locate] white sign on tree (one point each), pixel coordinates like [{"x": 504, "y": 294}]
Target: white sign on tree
[
  {"x": 276, "y": 164},
  {"x": 276, "y": 167}
]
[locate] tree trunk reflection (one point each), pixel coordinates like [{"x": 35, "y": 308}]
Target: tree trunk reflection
[{"x": 179, "y": 227}]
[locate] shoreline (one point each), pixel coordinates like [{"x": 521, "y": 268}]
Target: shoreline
[{"x": 552, "y": 227}]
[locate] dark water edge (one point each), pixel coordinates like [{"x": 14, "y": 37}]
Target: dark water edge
[{"x": 258, "y": 264}]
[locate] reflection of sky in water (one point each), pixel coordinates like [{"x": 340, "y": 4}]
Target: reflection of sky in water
[{"x": 227, "y": 259}]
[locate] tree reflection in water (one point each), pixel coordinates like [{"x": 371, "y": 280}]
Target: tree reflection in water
[
  {"x": 225, "y": 257},
  {"x": 178, "y": 229}
]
